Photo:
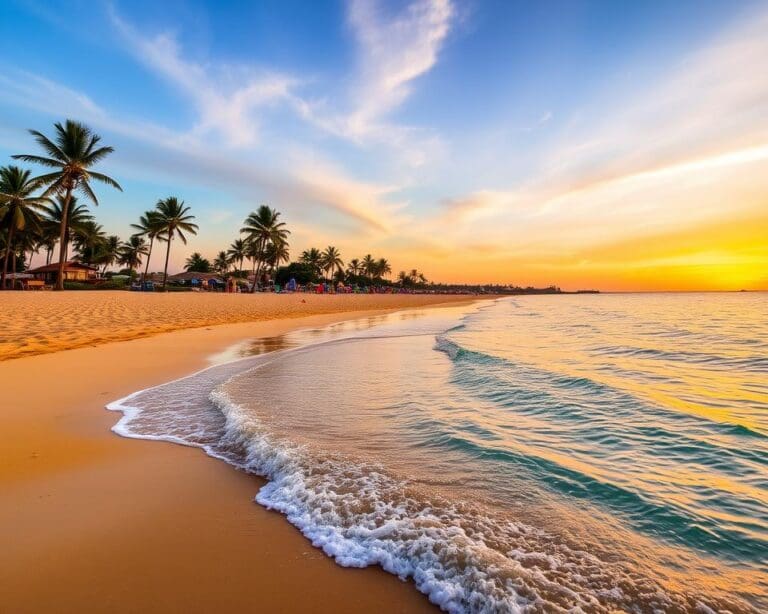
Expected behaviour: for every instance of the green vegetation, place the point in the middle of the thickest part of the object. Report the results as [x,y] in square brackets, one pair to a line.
[71,154]
[19,209]
[49,213]
[196,263]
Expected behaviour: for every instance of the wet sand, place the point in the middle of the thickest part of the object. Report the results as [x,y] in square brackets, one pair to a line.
[90,521]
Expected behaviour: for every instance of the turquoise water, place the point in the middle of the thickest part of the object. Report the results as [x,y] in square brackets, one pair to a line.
[602,452]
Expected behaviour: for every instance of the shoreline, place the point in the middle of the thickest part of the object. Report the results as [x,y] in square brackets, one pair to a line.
[89,517]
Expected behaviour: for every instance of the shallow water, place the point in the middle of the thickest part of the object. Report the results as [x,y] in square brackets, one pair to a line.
[602,452]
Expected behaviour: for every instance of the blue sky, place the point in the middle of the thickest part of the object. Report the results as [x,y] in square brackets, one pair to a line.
[475,140]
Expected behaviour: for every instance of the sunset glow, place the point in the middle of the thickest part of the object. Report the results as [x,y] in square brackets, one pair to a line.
[580,145]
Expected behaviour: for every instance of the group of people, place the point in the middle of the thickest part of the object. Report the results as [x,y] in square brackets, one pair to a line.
[235,285]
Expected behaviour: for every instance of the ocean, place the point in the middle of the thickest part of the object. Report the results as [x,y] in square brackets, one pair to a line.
[591,453]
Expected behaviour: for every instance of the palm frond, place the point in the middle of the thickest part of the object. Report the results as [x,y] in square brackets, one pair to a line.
[85,188]
[93,157]
[49,146]
[49,162]
[105,179]
[56,185]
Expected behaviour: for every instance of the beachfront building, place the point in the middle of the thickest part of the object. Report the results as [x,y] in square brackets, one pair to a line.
[197,279]
[73,271]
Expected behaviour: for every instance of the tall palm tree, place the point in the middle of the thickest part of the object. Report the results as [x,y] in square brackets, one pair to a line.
[237,252]
[331,261]
[221,263]
[175,221]
[260,227]
[72,152]
[18,208]
[149,226]
[131,252]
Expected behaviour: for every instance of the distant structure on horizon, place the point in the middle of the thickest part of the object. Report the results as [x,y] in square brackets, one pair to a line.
[502,289]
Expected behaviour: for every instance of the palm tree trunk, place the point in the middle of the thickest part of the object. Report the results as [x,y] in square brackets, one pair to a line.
[48,254]
[256,269]
[62,239]
[149,255]
[167,255]
[7,255]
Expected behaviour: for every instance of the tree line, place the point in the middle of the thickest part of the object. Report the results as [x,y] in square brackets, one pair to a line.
[49,210]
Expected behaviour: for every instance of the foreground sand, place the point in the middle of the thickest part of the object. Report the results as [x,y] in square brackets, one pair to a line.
[41,322]
[91,522]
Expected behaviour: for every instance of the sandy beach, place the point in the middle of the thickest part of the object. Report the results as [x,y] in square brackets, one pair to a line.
[42,322]
[90,521]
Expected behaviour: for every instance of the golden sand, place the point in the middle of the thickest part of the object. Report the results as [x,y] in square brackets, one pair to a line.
[92,522]
[41,322]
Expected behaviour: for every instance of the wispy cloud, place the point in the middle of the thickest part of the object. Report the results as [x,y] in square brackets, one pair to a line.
[152,151]
[393,52]
[226,97]
[685,147]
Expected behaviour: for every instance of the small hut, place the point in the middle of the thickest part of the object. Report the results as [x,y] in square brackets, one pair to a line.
[73,271]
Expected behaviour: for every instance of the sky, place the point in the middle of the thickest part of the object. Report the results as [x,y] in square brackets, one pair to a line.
[610,145]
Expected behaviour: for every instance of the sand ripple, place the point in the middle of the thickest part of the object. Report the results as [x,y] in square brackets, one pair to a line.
[41,322]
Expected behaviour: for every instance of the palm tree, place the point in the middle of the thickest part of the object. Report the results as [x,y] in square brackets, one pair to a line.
[196,263]
[403,279]
[72,153]
[255,253]
[238,251]
[49,235]
[314,258]
[354,267]
[18,208]
[108,252]
[27,241]
[383,268]
[276,253]
[260,227]
[221,263]
[149,226]
[175,220]
[369,266]
[89,239]
[131,252]
[331,261]
[78,218]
